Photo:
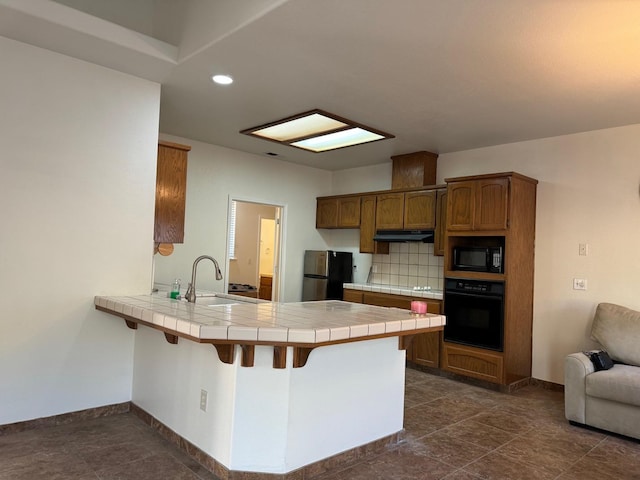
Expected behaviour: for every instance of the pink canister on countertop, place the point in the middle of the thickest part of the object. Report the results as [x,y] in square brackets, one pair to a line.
[418,307]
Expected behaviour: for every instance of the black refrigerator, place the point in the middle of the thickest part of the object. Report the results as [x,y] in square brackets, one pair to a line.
[324,273]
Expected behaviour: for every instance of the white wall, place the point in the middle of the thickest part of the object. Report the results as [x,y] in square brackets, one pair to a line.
[362,179]
[588,193]
[214,174]
[77,186]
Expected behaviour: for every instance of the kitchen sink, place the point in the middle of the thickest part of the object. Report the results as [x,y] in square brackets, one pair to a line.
[215,301]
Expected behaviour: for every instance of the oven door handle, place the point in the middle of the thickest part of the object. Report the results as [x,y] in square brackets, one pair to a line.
[474,295]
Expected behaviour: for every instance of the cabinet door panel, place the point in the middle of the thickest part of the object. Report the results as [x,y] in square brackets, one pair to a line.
[264,291]
[368,227]
[473,362]
[492,199]
[419,210]
[426,349]
[390,211]
[460,205]
[385,300]
[441,223]
[171,191]
[354,296]
[349,212]
[367,223]
[327,213]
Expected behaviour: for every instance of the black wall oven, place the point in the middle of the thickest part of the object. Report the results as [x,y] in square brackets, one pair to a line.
[475,312]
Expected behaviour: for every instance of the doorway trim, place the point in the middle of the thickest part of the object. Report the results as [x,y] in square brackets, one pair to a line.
[279,258]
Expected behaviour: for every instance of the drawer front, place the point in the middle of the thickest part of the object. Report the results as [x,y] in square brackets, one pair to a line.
[472,362]
[354,296]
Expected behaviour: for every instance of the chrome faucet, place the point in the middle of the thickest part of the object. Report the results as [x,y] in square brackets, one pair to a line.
[191,289]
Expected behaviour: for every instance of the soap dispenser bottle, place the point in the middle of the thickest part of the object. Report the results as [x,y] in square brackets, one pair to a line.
[175,289]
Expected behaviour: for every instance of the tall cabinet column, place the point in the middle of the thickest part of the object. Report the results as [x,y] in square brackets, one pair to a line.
[485,210]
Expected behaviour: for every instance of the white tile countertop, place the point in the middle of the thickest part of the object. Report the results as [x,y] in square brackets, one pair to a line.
[395,290]
[268,322]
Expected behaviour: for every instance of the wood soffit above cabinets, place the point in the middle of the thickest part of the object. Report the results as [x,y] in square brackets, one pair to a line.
[413,170]
[381,192]
[177,146]
[491,175]
[437,186]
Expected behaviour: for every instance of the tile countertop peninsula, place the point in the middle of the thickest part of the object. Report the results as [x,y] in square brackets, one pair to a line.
[280,418]
[395,290]
[227,320]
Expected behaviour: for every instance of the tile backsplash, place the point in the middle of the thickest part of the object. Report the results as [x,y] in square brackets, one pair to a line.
[408,265]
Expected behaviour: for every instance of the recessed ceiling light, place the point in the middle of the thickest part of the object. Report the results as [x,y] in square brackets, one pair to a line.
[317,131]
[222,79]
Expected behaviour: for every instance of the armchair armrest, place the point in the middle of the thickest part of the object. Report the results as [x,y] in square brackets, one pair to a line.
[576,368]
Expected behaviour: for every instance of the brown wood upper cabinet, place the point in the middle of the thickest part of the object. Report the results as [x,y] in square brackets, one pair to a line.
[390,211]
[408,211]
[420,210]
[368,227]
[171,191]
[338,212]
[441,222]
[480,204]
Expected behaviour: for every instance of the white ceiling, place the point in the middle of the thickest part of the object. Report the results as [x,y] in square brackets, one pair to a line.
[441,75]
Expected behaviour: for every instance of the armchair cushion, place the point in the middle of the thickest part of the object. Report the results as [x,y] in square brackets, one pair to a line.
[617,329]
[620,384]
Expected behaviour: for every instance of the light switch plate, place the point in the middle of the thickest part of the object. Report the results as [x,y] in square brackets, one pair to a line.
[203,400]
[579,283]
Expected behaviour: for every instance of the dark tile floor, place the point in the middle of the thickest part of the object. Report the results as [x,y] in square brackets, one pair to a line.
[117,447]
[454,431]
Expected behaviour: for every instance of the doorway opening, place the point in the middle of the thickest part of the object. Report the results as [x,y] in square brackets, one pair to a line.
[253,249]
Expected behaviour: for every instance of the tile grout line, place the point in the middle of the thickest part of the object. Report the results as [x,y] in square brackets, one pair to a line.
[602,440]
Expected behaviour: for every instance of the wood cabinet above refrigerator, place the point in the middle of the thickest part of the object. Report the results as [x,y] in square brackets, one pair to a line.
[338,212]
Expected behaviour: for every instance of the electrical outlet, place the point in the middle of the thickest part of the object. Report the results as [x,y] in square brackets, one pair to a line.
[583,249]
[203,400]
[579,283]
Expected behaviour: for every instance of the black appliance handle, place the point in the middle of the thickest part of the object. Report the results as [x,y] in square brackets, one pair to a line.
[474,294]
[320,277]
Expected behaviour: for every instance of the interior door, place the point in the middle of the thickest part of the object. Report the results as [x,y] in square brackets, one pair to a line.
[275,286]
[244,243]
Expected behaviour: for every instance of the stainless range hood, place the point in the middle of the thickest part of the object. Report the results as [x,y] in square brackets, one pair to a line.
[424,236]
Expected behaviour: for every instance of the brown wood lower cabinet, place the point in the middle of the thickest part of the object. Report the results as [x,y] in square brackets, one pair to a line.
[264,290]
[353,296]
[473,362]
[425,348]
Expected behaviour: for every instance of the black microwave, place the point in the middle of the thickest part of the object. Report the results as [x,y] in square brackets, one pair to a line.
[478,259]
